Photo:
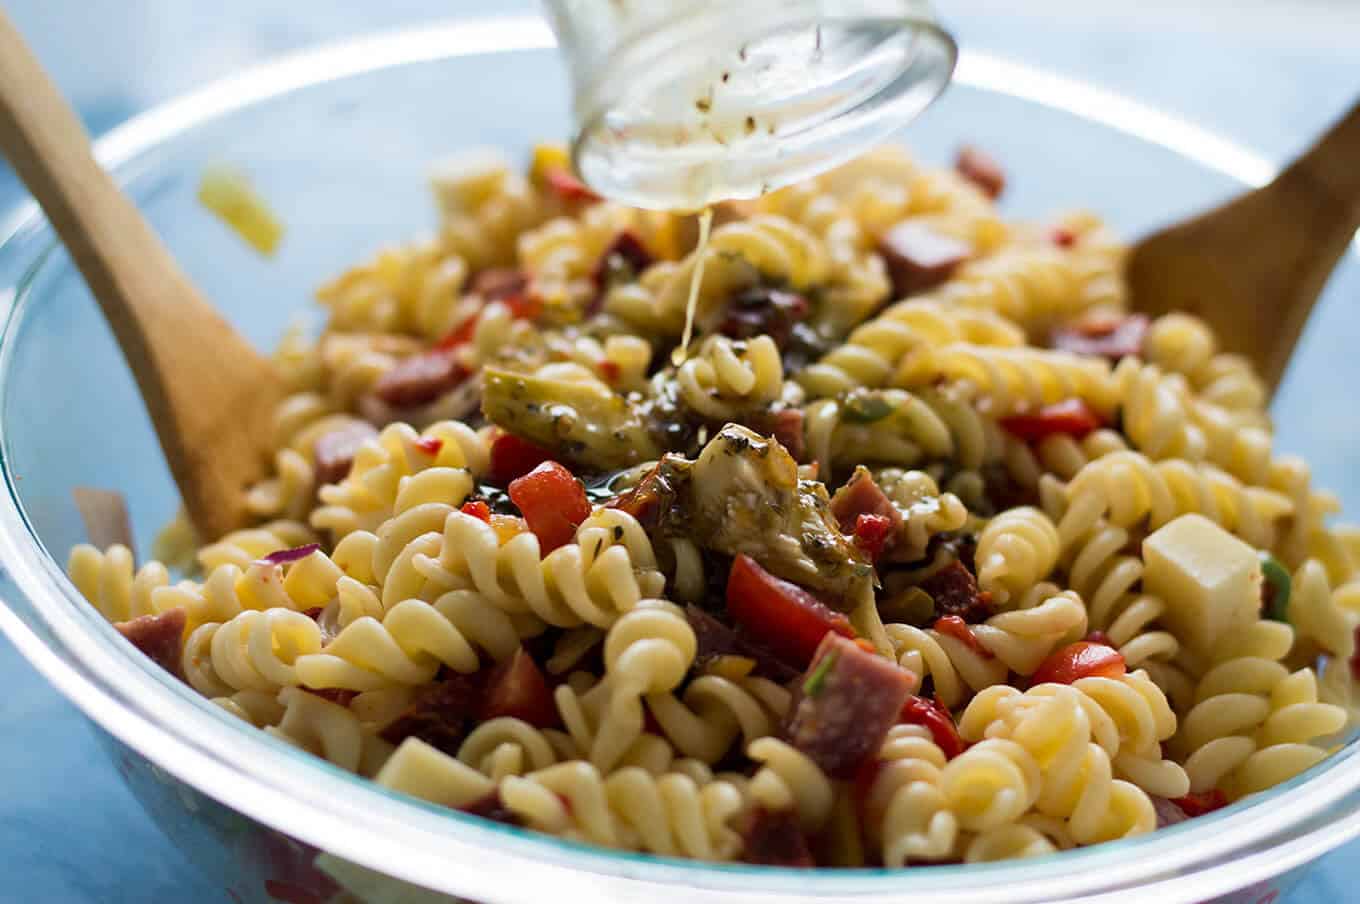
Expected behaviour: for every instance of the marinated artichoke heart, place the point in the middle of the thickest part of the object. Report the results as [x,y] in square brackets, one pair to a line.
[583,419]
[745,497]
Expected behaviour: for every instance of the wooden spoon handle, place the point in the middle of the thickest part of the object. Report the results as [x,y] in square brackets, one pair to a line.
[191,366]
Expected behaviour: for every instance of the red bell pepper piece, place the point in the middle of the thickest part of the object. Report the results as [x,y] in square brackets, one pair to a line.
[779,614]
[513,457]
[954,626]
[872,533]
[518,689]
[933,715]
[1203,802]
[567,187]
[1072,417]
[477,509]
[553,503]
[1082,659]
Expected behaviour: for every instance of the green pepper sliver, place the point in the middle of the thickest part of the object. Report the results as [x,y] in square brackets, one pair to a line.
[813,683]
[1279,584]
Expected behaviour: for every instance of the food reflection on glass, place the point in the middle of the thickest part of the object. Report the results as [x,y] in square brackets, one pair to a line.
[927,552]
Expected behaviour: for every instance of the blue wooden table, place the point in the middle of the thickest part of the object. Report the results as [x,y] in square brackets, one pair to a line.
[1270,76]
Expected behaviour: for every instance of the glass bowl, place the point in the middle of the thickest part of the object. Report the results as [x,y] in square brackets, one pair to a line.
[337,140]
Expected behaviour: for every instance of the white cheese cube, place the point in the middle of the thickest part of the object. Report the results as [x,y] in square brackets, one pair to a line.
[1209,580]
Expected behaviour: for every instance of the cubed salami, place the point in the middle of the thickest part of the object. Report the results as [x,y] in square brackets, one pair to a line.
[862,495]
[1105,337]
[334,451]
[160,637]
[419,379]
[775,839]
[497,283]
[846,702]
[981,169]
[919,257]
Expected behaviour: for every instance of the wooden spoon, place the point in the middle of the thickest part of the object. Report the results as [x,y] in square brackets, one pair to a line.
[1254,267]
[210,395]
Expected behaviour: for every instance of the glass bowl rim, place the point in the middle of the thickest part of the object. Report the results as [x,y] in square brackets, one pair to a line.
[304,796]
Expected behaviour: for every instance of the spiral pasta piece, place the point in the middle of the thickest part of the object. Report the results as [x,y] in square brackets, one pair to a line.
[107,580]
[726,378]
[1016,550]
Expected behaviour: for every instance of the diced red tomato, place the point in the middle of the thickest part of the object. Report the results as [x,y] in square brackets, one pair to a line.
[1201,803]
[430,445]
[517,688]
[1063,237]
[553,503]
[933,715]
[1082,659]
[779,614]
[567,187]
[477,509]
[955,627]
[513,457]
[872,533]
[1072,417]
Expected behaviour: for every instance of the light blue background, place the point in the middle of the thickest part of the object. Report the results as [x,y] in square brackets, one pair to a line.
[1269,74]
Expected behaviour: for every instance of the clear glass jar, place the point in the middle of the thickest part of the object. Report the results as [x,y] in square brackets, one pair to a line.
[681,103]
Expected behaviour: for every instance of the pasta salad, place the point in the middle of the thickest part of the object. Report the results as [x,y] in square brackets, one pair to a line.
[926,550]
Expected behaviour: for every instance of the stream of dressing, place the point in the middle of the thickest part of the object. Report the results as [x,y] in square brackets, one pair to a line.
[696,280]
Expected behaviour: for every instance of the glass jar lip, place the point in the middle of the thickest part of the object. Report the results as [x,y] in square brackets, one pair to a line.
[305,797]
[828,141]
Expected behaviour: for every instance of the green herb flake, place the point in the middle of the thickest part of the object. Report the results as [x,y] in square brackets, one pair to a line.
[812,685]
[1275,589]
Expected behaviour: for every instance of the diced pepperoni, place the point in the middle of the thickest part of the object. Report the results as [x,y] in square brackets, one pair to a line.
[439,714]
[490,806]
[160,637]
[763,311]
[919,258]
[653,498]
[499,283]
[862,495]
[775,839]
[1355,657]
[419,379]
[981,169]
[845,704]
[518,689]
[957,628]
[1063,237]
[1168,812]
[955,592]
[334,451]
[1112,337]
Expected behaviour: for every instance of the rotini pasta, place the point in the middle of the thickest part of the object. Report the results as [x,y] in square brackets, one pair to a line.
[899,561]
